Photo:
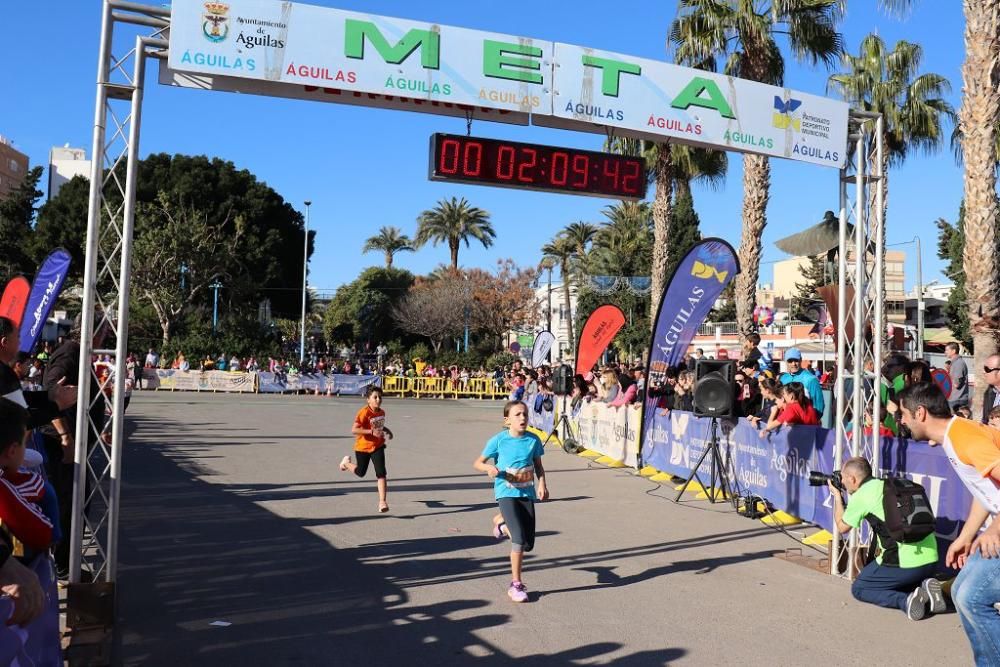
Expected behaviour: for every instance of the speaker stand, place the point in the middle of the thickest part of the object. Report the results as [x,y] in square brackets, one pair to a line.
[567,428]
[718,466]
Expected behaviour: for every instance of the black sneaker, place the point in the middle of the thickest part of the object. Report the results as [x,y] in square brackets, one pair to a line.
[932,587]
[916,604]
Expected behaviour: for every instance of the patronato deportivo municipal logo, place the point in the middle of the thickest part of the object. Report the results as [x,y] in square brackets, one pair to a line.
[216,24]
[782,118]
[706,266]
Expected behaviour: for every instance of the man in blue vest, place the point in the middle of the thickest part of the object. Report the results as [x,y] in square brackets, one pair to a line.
[795,373]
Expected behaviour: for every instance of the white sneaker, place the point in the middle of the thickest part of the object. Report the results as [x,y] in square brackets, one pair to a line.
[343,463]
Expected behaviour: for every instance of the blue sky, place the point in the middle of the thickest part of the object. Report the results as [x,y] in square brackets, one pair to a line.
[364,168]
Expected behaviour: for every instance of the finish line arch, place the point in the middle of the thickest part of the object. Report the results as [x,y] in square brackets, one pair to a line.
[855,139]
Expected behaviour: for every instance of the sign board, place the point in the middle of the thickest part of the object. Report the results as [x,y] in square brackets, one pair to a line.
[655,100]
[302,51]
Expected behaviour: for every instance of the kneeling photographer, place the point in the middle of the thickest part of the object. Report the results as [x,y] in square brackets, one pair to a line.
[901,575]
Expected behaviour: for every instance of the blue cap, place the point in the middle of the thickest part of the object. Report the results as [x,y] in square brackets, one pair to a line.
[793,353]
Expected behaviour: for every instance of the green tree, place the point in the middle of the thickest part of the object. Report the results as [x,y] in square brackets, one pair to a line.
[813,277]
[951,248]
[724,309]
[62,223]
[686,230]
[624,245]
[362,309]
[741,37]
[453,222]
[17,211]
[260,249]
[389,241]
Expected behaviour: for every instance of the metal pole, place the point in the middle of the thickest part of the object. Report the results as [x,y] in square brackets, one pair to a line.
[121,349]
[878,313]
[215,304]
[920,302]
[859,300]
[305,273]
[89,299]
[841,332]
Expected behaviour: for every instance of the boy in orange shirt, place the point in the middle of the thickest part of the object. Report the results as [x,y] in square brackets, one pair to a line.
[369,428]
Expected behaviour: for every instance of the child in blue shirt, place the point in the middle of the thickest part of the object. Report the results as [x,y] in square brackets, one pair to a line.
[517,462]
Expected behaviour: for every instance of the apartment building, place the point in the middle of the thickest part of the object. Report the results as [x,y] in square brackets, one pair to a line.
[13,166]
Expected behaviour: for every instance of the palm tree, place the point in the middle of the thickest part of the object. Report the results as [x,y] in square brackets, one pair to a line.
[581,235]
[625,240]
[685,165]
[912,107]
[389,240]
[977,119]
[742,35]
[561,251]
[452,222]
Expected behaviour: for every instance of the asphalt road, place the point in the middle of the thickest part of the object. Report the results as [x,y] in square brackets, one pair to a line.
[234,512]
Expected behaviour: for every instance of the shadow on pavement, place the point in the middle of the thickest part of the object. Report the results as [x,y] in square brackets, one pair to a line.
[193,553]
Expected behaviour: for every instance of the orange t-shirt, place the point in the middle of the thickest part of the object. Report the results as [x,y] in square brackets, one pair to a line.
[369,419]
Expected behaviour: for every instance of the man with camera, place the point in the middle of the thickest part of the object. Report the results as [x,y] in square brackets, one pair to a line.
[901,575]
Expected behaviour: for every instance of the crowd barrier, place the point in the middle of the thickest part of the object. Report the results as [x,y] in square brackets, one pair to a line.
[440,387]
[243,383]
[776,467]
[333,383]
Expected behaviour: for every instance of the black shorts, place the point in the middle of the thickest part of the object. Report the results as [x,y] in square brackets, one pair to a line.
[519,515]
[376,458]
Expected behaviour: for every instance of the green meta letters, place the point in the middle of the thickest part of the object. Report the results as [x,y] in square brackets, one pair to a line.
[691,96]
[428,41]
[499,61]
[611,72]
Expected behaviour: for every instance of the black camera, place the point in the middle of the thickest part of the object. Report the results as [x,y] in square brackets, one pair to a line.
[817,478]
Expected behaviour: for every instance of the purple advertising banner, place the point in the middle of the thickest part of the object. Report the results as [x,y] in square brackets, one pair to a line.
[42,299]
[777,467]
[689,296]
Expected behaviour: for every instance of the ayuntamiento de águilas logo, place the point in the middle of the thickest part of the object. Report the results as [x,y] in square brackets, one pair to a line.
[215,27]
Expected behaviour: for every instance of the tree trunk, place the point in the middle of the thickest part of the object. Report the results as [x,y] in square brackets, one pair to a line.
[977,119]
[566,300]
[453,246]
[661,226]
[388,260]
[756,192]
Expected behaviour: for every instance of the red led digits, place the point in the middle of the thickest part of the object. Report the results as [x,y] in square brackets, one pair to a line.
[560,168]
[633,170]
[449,156]
[581,170]
[530,157]
[612,169]
[506,154]
[472,159]
[533,166]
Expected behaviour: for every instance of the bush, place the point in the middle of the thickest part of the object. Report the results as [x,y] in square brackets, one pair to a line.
[420,350]
[501,359]
[469,360]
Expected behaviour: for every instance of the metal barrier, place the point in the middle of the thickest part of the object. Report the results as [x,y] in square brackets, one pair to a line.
[440,387]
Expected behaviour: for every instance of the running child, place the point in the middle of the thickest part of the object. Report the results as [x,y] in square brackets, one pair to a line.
[517,462]
[369,427]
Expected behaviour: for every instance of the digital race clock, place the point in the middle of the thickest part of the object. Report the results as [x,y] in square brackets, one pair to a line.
[518,165]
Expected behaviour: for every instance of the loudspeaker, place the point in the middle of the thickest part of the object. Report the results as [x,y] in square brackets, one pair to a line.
[562,380]
[714,388]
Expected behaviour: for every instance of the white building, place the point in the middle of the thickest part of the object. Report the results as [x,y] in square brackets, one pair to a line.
[64,164]
[561,317]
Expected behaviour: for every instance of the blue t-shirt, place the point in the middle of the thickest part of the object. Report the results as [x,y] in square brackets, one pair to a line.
[814,390]
[516,457]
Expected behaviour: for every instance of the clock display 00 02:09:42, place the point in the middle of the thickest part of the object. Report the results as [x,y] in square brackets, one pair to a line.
[533,166]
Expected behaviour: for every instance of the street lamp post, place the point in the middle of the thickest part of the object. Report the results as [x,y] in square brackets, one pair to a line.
[215,286]
[305,268]
[920,302]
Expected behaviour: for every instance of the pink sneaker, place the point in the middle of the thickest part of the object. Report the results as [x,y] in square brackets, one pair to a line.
[343,463]
[517,592]
[498,531]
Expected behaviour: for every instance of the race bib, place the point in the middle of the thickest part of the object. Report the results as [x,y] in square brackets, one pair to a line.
[520,478]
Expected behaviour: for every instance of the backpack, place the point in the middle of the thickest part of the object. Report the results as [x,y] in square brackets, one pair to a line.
[908,514]
[539,398]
